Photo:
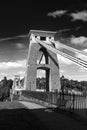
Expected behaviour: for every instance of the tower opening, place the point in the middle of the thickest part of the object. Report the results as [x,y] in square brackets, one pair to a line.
[41,80]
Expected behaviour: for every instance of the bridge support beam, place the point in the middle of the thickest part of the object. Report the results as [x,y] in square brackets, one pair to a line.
[51,67]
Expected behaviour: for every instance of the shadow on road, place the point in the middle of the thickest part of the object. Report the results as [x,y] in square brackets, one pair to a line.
[38,119]
[18,119]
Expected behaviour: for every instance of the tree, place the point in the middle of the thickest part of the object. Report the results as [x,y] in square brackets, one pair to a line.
[5,88]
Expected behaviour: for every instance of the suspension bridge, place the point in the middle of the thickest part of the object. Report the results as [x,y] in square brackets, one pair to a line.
[43,44]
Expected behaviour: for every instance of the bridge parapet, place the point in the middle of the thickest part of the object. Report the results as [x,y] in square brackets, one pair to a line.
[42,33]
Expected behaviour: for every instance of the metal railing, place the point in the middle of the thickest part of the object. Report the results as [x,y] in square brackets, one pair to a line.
[69,102]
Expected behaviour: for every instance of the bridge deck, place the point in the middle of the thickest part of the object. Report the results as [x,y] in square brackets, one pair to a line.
[28,115]
[54,120]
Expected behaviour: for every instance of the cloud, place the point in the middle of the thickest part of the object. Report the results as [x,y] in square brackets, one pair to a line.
[16,64]
[85,50]
[15,37]
[21,72]
[20,45]
[82,15]
[62,71]
[56,13]
[78,40]
[3,74]
[82,70]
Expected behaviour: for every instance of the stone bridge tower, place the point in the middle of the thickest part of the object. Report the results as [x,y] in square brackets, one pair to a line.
[51,65]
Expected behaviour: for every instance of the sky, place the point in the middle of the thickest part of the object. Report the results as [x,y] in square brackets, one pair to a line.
[67,18]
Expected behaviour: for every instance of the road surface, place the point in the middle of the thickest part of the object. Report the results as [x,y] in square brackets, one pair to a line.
[54,120]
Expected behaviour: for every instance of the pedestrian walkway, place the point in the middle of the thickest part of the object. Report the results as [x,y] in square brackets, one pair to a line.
[54,120]
[31,105]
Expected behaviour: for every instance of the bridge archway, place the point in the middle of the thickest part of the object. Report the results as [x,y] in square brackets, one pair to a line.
[46,76]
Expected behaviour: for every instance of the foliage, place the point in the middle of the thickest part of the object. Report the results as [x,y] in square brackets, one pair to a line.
[5,86]
[41,83]
[67,84]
